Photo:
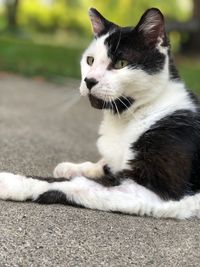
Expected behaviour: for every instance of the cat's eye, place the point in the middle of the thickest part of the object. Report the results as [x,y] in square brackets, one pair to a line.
[120,64]
[90,60]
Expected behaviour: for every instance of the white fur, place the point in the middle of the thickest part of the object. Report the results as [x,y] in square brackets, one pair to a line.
[129,197]
[20,188]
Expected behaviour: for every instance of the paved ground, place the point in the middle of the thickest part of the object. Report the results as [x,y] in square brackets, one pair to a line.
[42,124]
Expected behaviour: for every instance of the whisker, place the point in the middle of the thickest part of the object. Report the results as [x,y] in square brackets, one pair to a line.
[111,106]
[120,34]
[127,100]
[104,101]
[105,97]
[117,109]
[125,105]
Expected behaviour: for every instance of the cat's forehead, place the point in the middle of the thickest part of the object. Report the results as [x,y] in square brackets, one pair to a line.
[124,43]
[112,42]
[119,35]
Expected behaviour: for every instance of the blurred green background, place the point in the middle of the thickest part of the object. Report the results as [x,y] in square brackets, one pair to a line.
[45,38]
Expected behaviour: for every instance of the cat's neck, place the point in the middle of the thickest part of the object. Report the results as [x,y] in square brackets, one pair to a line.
[171,98]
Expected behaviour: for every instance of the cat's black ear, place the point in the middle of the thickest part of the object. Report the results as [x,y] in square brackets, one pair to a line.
[152,27]
[100,25]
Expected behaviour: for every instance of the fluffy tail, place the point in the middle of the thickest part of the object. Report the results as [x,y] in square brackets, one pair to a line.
[129,197]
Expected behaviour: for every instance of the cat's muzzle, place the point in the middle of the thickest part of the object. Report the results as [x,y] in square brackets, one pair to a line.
[96,102]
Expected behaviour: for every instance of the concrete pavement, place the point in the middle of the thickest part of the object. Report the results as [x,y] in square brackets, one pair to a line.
[42,124]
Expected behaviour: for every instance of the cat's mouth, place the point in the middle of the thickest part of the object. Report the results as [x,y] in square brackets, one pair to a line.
[96,102]
[117,106]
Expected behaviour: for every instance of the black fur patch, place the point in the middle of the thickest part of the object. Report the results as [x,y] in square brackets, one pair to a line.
[55,197]
[127,44]
[168,156]
[49,179]
[106,169]
[109,180]
[117,106]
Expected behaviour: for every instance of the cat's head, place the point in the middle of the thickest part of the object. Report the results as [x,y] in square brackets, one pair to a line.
[125,66]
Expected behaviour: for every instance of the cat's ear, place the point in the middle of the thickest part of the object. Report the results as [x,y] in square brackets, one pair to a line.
[100,25]
[152,27]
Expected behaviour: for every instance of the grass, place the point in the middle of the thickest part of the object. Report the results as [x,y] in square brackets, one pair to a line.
[54,62]
[31,59]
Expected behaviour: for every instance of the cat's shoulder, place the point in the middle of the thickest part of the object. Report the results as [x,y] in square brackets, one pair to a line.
[180,127]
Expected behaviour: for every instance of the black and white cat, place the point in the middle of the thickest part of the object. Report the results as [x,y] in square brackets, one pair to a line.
[149,136]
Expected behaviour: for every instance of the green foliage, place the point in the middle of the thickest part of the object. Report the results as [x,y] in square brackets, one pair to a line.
[189,70]
[31,59]
[49,15]
[127,12]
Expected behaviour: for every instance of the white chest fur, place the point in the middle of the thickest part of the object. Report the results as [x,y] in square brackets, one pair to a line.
[118,135]
[113,143]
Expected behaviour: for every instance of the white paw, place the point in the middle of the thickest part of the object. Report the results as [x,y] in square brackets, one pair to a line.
[10,185]
[67,170]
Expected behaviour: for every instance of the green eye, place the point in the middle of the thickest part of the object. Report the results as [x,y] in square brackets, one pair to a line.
[90,60]
[120,64]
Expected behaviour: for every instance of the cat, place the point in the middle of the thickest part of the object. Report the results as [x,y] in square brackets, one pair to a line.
[149,137]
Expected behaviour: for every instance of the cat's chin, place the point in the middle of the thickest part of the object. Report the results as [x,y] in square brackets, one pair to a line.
[117,106]
[96,102]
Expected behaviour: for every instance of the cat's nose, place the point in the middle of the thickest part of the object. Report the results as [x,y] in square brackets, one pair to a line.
[90,83]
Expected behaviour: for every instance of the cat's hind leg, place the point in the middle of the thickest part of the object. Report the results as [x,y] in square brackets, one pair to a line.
[78,191]
[127,197]
[88,169]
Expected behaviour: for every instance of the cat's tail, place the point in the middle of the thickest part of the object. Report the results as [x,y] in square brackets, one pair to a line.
[129,198]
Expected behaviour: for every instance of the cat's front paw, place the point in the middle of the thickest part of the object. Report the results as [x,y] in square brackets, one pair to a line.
[67,170]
